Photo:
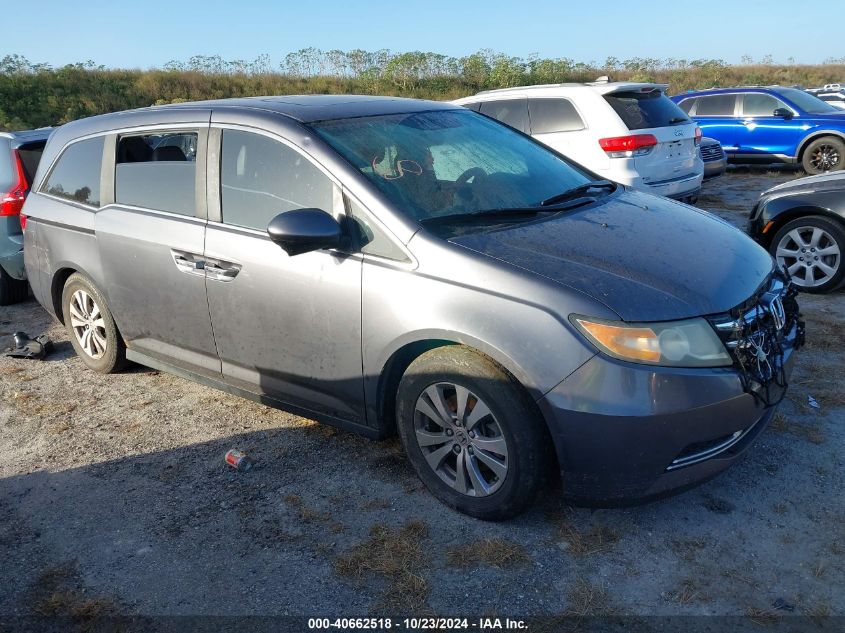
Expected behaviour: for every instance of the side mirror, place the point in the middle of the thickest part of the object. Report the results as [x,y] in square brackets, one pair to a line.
[784,113]
[304,230]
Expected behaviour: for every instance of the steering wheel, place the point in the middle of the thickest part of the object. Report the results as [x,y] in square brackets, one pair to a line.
[476,174]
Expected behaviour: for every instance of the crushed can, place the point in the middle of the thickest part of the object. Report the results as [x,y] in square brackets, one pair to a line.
[238,460]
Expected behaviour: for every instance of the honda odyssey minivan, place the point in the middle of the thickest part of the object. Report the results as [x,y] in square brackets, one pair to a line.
[392,265]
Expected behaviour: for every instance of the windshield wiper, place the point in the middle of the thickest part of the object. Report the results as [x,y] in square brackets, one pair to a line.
[579,191]
[503,213]
[678,119]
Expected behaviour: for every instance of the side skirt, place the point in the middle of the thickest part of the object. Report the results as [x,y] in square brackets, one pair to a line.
[154,363]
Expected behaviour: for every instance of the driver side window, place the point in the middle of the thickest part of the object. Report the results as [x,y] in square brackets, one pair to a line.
[261,177]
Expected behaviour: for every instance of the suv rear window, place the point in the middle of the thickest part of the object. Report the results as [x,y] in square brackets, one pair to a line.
[642,110]
[76,175]
[512,112]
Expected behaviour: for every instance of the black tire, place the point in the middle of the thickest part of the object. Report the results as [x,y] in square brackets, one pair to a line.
[12,290]
[824,154]
[113,357]
[514,418]
[805,225]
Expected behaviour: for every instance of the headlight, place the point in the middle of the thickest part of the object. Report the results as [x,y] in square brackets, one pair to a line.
[688,343]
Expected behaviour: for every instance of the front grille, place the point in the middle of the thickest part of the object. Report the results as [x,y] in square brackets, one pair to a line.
[711,152]
[755,333]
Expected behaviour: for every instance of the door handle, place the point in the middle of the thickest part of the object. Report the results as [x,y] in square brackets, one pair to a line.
[222,272]
[187,262]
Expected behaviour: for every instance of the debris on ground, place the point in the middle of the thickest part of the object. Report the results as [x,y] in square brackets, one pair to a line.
[813,402]
[783,605]
[25,347]
[238,460]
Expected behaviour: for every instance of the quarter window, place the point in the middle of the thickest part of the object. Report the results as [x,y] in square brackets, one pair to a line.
[371,238]
[261,178]
[76,175]
[758,104]
[512,112]
[157,171]
[686,105]
[553,115]
[715,105]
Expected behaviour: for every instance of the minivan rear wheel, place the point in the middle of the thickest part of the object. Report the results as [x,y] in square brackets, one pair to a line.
[471,433]
[91,327]
[12,290]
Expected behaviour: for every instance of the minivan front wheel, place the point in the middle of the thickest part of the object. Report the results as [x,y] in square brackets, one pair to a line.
[91,327]
[471,433]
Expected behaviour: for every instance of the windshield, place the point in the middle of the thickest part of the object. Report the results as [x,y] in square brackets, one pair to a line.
[449,162]
[807,102]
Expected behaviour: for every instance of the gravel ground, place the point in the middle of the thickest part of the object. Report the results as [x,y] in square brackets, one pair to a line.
[115,500]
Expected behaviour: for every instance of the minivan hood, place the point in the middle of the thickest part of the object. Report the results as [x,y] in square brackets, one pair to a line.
[646,258]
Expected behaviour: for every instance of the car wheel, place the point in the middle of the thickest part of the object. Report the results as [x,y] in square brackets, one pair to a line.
[12,290]
[810,248]
[471,433]
[91,327]
[824,154]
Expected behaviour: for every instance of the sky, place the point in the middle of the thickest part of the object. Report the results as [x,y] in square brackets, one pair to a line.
[132,34]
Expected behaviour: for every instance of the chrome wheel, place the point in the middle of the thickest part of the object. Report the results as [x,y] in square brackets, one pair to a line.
[810,254]
[825,157]
[88,324]
[461,439]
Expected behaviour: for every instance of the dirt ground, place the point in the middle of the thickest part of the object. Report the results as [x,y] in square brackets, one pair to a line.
[115,500]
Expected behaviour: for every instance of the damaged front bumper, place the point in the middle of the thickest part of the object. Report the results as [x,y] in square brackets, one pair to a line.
[626,433]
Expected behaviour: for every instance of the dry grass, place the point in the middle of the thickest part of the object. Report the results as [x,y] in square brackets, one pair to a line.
[819,569]
[61,598]
[781,424]
[597,539]
[375,504]
[824,331]
[395,554]
[686,593]
[9,370]
[780,508]
[494,552]
[763,617]
[586,599]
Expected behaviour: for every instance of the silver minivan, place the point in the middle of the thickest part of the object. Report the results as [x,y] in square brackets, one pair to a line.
[391,265]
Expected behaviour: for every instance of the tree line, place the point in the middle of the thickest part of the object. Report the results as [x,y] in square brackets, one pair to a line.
[37,94]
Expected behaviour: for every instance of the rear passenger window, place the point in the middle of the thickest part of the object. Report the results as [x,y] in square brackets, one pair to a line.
[473,106]
[553,115]
[157,171]
[261,177]
[757,104]
[512,112]
[76,175]
[716,105]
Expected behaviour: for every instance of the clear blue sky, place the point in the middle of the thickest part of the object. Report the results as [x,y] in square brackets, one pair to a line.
[132,33]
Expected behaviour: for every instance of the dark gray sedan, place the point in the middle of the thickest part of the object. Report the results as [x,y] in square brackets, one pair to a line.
[395,265]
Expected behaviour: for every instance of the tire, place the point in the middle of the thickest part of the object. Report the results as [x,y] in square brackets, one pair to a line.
[12,290]
[824,154]
[102,349]
[511,424]
[823,241]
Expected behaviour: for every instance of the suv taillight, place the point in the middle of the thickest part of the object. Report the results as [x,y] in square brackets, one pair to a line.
[11,201]
[628,146]
[697,135]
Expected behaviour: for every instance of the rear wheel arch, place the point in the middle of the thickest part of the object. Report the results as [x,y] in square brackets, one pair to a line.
[57,287]
[815,136]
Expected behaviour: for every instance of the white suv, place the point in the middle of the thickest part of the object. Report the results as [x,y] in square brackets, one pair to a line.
[631,133]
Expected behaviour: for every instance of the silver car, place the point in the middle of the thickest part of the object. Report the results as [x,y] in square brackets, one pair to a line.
[390,265]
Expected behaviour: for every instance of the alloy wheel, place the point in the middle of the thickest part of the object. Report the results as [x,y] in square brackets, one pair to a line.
[825,157]
[88,324]
[461,440]
[810,254]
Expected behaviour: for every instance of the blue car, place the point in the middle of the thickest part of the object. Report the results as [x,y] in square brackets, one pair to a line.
[770,124]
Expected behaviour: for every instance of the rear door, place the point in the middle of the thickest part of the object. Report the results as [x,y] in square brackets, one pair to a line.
[763,133]
[718,117]
[649,111]
[288,327]
[151,238]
